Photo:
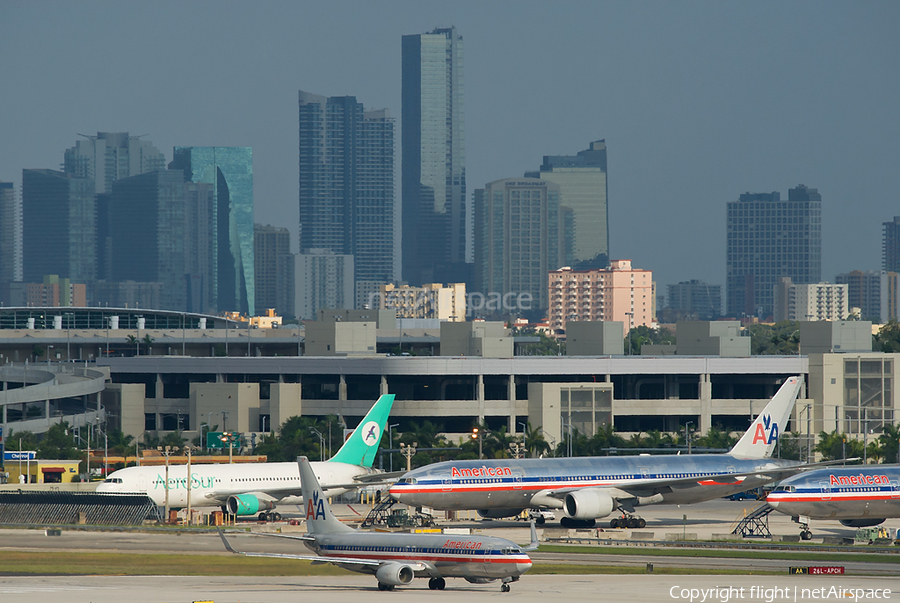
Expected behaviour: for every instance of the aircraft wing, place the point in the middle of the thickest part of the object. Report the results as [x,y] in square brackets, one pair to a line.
[386,476]
[416,565]
[643,488]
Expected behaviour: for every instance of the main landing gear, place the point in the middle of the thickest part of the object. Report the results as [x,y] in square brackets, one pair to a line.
[437,583]
[627,521]
[383,586]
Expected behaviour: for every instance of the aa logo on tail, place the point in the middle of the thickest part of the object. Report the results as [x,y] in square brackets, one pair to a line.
[315,508]
[766,432]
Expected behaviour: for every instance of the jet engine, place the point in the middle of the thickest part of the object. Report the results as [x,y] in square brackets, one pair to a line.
[394,574]
[588,504]
[248,504]
[498,513]
[861,523]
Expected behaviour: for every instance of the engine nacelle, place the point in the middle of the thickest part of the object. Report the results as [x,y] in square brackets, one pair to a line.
[588,504]
[498,513]
[395,574]
[247,504]
[861,523]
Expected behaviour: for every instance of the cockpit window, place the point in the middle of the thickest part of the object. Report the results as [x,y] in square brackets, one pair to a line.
[113,480]
[407,480]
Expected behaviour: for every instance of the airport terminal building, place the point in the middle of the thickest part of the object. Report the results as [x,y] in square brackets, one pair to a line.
[181,379]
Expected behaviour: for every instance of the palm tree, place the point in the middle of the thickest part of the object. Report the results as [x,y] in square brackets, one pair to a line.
[534,441]
[890,442]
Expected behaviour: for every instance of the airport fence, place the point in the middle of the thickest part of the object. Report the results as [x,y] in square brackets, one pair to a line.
[84,508]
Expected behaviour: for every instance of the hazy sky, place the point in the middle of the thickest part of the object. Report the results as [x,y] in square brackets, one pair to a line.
[698,101]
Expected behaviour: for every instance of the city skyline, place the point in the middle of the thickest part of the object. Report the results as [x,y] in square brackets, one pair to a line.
[694,109]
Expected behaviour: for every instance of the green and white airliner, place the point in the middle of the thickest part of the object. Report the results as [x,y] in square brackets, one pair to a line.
[251,488]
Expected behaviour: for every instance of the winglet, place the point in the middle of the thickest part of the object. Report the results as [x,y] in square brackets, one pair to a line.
[319,518]
[759,441]
[534,539]
[361,446]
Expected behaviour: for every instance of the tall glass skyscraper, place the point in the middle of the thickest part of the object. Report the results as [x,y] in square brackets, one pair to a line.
[583,189]
[767,239]
[230,171]
[437,228]
[58,226]
[10,234]
[347,185]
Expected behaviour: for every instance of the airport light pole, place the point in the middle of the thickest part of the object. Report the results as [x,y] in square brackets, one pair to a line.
[391,442]
[321,442]
[409,452]
[187,450]
[167,450]
[687,434]
[630,316]
[229,437]
[68,333]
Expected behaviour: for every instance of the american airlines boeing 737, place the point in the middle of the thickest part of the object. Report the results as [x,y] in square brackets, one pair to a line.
[590,488]
[251,488]
[395,559]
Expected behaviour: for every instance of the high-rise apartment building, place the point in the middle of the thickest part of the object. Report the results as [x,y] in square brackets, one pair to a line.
[323,280]
[269,242]
[817,301]
[10,235]
[110,156]
[697,299]
[437,228]
[229,170]
[582,187]
[767,239]
[874,292]
[58,226]
[433,300]
[347,185]
[523,232]
[620,293]
[890,246]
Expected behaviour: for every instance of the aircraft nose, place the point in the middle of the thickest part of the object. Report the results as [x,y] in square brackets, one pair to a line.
[523,566]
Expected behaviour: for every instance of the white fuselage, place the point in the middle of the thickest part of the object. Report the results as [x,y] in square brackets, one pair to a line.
[211,485]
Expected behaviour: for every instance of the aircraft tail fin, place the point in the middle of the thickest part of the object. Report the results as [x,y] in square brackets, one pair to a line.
[319,518]
[759,441]
[361,446]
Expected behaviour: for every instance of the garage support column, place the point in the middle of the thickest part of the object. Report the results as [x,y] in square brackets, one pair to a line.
[705,404]
[511,396]
[479,394]
[384,385]
[159,388]
[342,388]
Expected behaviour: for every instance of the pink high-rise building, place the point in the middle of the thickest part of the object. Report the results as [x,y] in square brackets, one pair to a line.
[619,293]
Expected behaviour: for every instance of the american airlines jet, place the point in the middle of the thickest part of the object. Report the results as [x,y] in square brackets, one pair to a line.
[858,497]
[395,559]
[251,488]
[590,488]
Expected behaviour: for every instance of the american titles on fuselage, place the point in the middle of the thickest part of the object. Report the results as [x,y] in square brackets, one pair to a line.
[482,471]
[858,480]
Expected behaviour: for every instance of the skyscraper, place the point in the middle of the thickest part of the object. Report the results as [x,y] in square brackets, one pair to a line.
[347,185]
[269,242]
[437,228]
[230,171]
[523,233]
[767,239]
[890,246]
[109,156]
[583,189]
[58,226]
[874,292]
[10,235]
[148,233]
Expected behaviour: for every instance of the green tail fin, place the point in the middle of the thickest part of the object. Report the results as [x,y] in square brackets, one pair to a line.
[361,446]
